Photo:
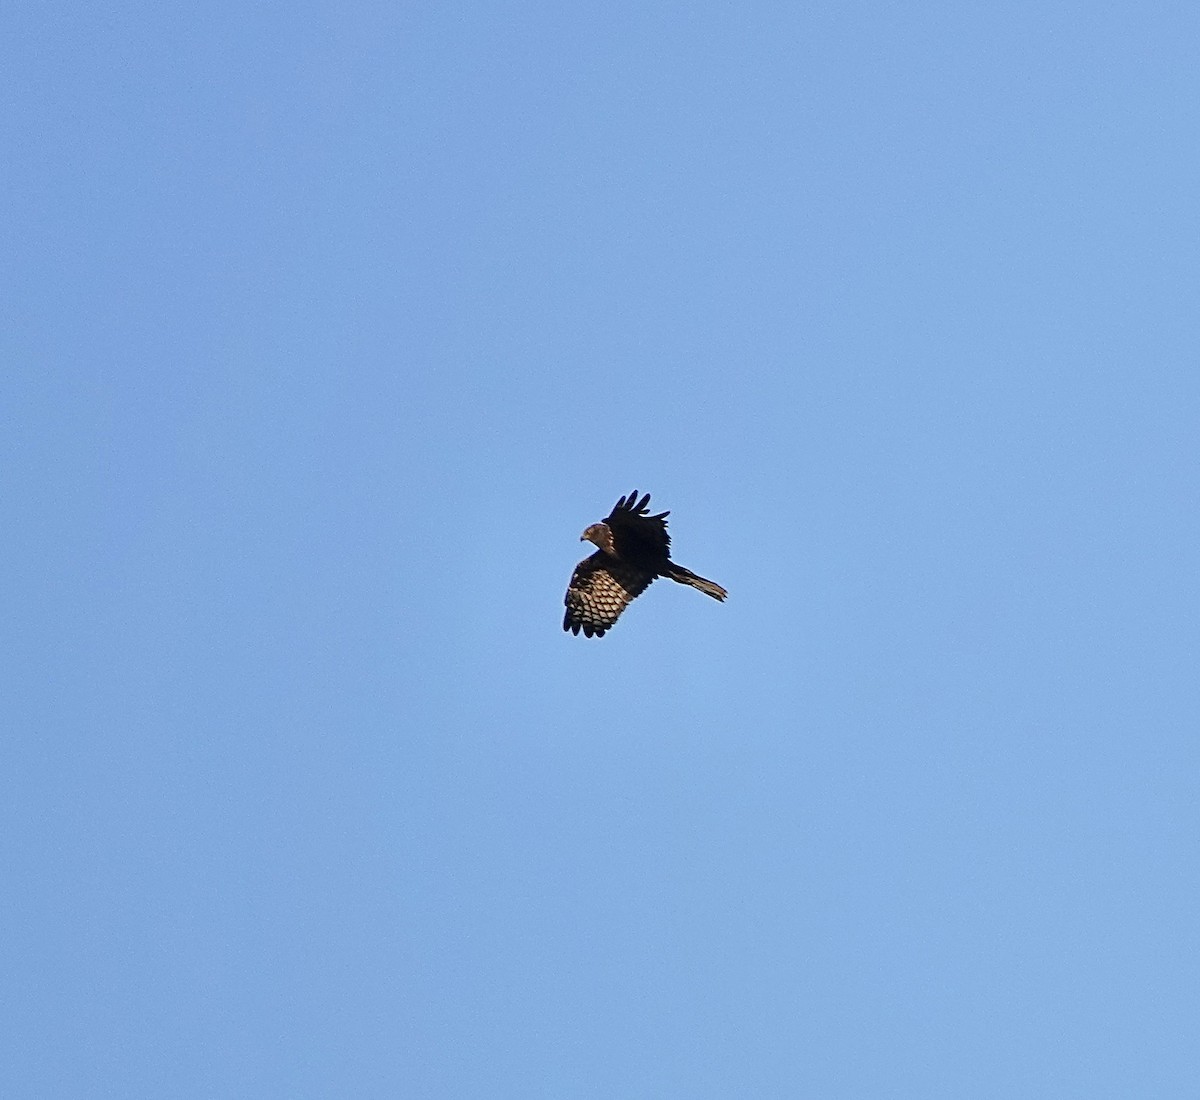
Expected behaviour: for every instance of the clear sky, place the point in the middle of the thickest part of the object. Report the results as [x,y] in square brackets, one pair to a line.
[328,328]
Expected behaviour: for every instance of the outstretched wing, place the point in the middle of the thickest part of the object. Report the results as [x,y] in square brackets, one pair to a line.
[601,588]
[631,523]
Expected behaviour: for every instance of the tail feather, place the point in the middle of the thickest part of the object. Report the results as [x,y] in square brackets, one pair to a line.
[686,576]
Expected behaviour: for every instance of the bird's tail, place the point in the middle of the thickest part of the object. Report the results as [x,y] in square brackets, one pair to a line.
[686,576]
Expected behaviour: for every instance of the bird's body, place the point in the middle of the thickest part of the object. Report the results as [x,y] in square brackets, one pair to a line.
[634,549]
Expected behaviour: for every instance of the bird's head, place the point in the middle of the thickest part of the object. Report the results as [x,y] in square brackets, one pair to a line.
[601,535]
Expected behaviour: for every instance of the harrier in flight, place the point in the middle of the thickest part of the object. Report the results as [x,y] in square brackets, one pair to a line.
[634,549]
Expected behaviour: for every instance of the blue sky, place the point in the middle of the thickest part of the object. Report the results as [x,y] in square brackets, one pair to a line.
[327,330]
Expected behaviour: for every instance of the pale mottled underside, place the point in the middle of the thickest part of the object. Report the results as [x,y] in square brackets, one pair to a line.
[601,588]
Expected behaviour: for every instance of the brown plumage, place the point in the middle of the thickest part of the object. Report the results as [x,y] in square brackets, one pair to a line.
[634,548]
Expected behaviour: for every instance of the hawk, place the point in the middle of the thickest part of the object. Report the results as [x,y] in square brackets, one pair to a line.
[634,548]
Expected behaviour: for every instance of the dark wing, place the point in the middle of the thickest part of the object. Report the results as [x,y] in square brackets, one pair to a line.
[601,588]
[643,533]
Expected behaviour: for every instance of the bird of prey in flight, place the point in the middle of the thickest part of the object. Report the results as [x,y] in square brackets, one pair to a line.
[634,549]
